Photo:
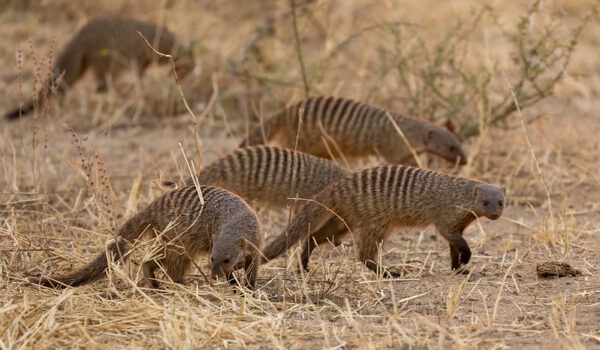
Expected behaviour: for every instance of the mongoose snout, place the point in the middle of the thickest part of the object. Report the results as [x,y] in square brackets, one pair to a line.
[444,144]
[225,259]
[489,201]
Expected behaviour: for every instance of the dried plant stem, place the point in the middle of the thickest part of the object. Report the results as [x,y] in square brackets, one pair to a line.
[399,131]
[299,50]
[187,106]
[533,156]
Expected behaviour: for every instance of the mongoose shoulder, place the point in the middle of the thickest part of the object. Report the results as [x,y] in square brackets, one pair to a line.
[108,45]
[374,201]
[271,175]
[225,226]
[356,129]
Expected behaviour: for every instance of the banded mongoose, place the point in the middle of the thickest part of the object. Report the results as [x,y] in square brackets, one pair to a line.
[108,45]
[374,201]
[356,129]
[271,175]
[226,226]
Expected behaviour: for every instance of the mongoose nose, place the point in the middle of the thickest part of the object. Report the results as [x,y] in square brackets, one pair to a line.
[494,216]
[463,160]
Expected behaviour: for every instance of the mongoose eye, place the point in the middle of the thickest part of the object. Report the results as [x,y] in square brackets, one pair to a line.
[226,261]
[500,203]
[485,203]
[452,148]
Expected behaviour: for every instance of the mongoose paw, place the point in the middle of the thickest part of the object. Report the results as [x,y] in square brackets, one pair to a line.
[391,274]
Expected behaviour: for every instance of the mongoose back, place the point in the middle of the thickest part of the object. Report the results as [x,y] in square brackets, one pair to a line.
[227,227]
[356,129]
[108,45]
[373,201]
[271,175]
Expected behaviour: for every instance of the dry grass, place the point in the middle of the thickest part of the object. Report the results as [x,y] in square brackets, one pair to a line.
[70,175]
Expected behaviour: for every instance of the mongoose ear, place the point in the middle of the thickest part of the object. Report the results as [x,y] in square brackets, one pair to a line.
[450,126]
[241,242]
[476,190]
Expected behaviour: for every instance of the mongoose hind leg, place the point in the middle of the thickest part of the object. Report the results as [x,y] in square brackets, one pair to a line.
[331,232]
[369,240]
[251,263]
[176,265]
[148,270]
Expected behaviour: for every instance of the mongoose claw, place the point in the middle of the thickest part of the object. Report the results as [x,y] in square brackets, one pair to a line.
[461,270]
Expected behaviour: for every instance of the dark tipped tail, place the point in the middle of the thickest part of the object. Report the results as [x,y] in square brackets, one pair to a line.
[128,233]
[18,112]
[89,273]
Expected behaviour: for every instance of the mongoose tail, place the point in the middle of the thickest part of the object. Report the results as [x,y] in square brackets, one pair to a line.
[298,229]
[96,269]
[374,201]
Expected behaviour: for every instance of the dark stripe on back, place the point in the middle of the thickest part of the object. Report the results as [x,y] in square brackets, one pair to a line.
[329,118]
[345,116]
[324,110]
[259,166]
[399,187]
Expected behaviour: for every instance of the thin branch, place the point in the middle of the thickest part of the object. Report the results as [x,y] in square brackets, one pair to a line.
[299,50]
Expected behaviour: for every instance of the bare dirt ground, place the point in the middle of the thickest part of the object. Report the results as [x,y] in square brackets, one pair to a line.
[69,176]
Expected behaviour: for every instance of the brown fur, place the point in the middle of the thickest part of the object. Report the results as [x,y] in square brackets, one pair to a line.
[357,129]
[374,201]
[109,45]
[271,175]
[227,227]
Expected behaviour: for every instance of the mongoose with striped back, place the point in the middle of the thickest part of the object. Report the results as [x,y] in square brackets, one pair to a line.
[109,45]
[271,175]
[374,201]
[335,124]
[225,226]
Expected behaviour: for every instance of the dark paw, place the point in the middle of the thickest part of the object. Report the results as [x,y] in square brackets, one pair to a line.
[391,274]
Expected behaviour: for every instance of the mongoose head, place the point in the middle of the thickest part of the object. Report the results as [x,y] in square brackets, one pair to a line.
[225,256]
[489,200]
[444,144]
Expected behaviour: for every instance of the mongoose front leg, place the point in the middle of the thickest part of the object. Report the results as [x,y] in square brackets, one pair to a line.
[460,253]
[251,269]
[232,280]
[330,232]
